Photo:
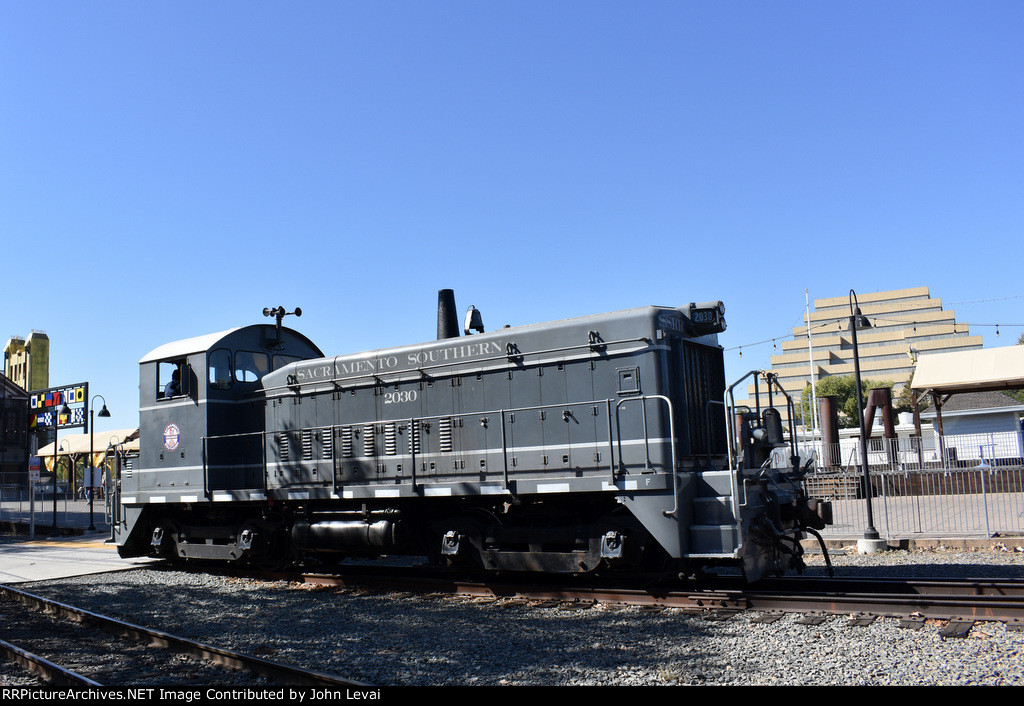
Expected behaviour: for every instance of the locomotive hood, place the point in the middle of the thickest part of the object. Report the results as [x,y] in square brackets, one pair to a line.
[557,339]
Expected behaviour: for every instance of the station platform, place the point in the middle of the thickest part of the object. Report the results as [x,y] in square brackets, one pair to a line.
[61,556]
[36,548]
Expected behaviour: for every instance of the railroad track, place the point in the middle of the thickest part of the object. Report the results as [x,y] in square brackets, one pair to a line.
[65,645]
[959,602]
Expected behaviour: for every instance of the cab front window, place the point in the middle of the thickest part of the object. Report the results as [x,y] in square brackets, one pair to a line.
[250,367]
[220,369]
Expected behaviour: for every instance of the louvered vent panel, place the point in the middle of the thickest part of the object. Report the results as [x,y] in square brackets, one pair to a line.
[307,444]
[368,441]
[347,450]
[414,438]
[390,439]
[327,452]
[444,434]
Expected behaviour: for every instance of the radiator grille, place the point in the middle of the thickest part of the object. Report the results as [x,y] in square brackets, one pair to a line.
[700,377]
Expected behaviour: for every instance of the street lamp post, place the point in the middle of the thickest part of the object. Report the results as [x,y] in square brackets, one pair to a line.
[92,471]
[859,321]
[56,432]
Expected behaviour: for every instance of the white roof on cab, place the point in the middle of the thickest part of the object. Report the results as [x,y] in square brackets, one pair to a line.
[187,346]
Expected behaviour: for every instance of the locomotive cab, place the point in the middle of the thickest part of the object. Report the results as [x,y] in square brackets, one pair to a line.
[193,394]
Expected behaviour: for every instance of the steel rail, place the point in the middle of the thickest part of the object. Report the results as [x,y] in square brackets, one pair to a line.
[981,599]
[912,585]
[44,668]
[279,671]
[978,607]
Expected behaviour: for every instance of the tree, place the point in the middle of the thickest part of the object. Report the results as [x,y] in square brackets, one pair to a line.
[844,388]
[904,400]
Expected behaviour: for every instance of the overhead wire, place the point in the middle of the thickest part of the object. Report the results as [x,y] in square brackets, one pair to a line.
[874,317]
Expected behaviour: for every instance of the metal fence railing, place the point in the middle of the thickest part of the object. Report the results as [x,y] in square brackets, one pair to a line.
[39,513]
[17,505]
[955,486]
[960,450]
[948,502]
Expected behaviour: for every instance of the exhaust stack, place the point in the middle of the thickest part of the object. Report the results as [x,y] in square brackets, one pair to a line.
[447,319]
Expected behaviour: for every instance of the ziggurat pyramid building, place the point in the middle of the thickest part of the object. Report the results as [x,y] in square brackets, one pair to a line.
[905,324]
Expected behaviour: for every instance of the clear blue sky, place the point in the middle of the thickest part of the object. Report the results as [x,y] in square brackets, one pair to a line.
[170,169]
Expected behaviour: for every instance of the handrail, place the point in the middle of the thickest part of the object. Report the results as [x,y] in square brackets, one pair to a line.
[647,451]
[707,421]
[735,463]
[730,404]
[615,438]
[771,380]
[108,507]
[504,452]
[206,473]
[207,491]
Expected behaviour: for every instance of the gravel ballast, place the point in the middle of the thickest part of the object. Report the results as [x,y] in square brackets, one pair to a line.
[397,640]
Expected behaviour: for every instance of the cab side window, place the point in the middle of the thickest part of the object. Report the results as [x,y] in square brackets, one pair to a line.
[219,365]
[171,378]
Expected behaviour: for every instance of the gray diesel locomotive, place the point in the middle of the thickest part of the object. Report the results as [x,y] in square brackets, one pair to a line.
[602,443]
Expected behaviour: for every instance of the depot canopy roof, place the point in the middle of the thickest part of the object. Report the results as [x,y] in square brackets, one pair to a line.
[971,371]
[78,444]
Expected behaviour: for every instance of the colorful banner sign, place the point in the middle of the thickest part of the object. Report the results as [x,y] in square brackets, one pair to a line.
[44,407]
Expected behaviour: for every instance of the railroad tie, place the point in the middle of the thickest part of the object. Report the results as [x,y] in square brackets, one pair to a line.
[956,627]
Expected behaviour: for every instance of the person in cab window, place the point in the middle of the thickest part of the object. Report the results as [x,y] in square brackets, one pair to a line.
[173,388]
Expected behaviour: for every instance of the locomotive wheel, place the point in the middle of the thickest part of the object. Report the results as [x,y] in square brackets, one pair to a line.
[273,550]
[471,526]
[170,546]
[278,556]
